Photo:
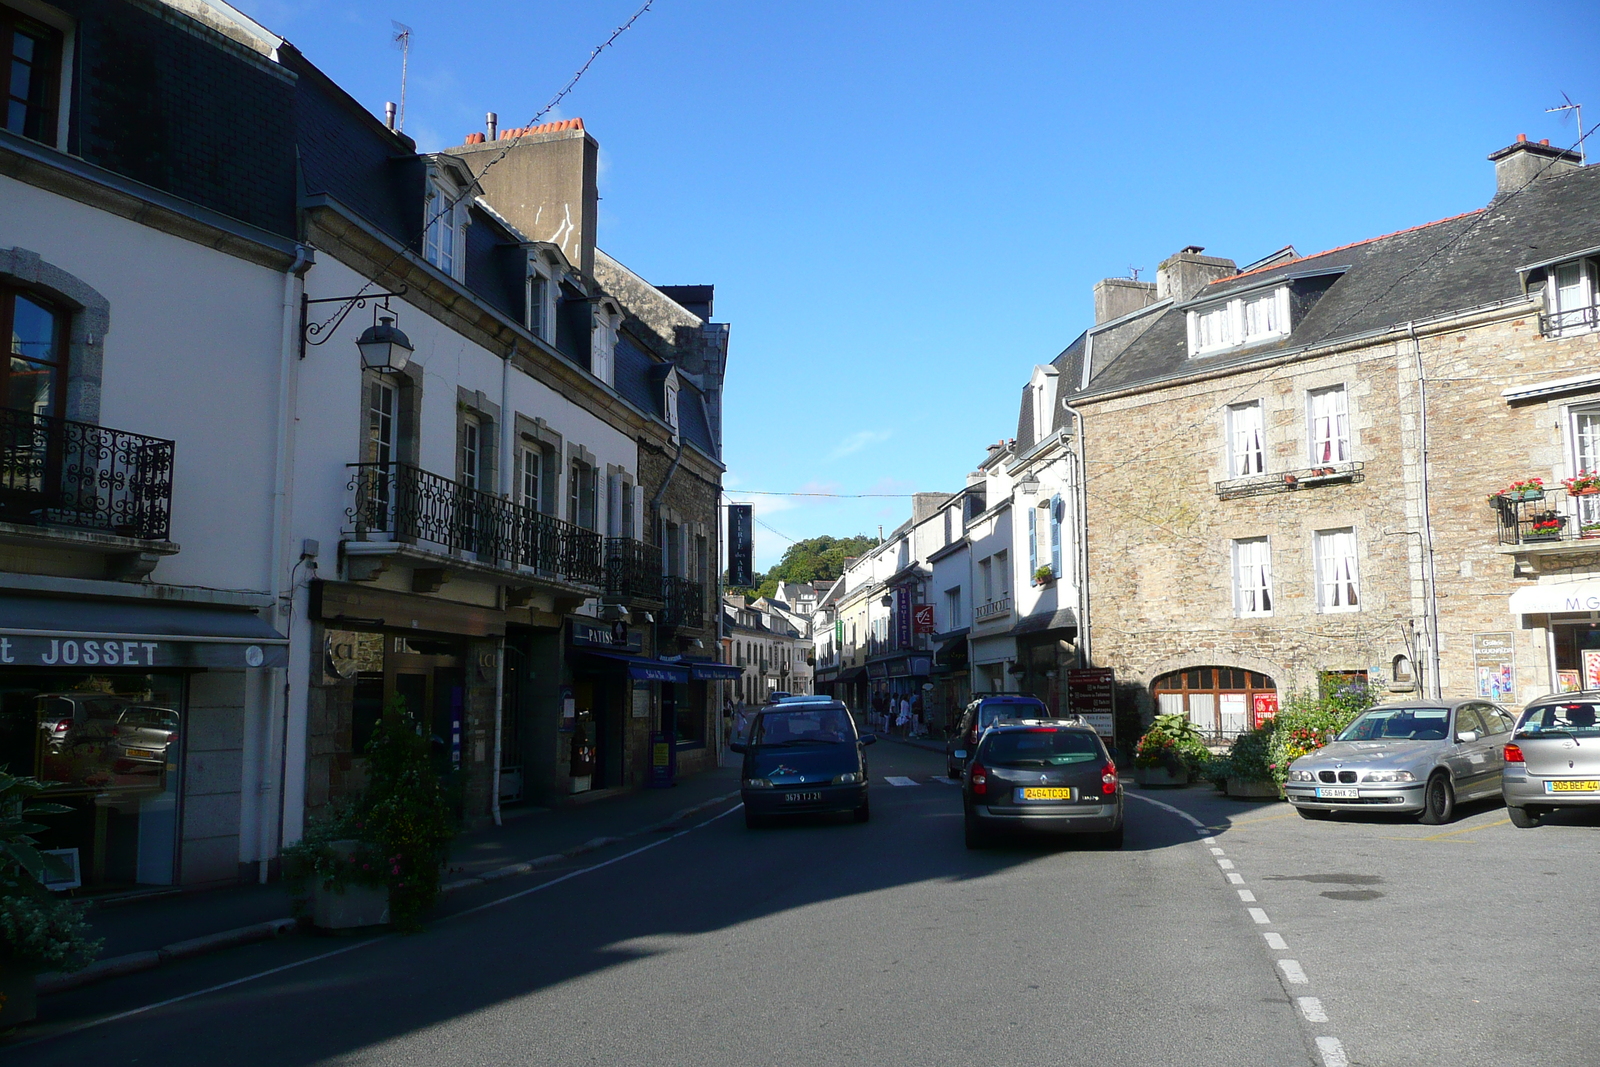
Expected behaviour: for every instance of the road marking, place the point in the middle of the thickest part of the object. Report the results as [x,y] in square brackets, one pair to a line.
[1311,1008]
[1332,1052]
[1247,896]
[1259,916]
[947,781]
[1226,865]
[1291,970]
[1235,878]
[1276,942]
[1264,818]
[1218,852]
[898,780]
[1199,826]
[119,1016]
[1452,833]
[1208,840]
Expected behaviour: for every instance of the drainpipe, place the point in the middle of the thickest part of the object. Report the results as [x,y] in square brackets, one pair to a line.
[507,448]
[1080,506]
[1427,516]
[282,596]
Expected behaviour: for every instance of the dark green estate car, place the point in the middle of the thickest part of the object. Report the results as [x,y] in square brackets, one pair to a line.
[803,758]
[1042,775]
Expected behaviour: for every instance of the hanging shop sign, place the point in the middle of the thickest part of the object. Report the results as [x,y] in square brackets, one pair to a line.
[741,545]
[922,619]
[613,637]
[902,616]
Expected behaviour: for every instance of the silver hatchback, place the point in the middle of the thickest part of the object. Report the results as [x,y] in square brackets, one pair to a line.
[1553,759]
[1418,756]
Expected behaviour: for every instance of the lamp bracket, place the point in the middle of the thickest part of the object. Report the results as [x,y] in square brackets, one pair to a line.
[316,333]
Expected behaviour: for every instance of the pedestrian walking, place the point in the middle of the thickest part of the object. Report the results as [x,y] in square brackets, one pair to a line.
[904,720]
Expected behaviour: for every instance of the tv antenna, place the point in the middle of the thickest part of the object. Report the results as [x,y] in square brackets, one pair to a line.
[402,41]
[1133,272]
[1577,109]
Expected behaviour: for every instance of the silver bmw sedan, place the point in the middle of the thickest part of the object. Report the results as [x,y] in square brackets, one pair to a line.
[1416,756]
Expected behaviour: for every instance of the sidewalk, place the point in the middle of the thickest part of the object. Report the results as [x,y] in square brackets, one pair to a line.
[144,932]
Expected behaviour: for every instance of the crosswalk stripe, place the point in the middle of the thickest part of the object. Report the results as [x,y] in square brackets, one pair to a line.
[897,780]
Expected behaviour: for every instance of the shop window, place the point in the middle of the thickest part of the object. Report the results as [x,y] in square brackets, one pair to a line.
[30,70]
[111,743]
[1222,702]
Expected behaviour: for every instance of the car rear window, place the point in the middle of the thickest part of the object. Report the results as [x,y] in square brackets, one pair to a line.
[1043,745]
[995,710]
[1577,719]
[1399,724]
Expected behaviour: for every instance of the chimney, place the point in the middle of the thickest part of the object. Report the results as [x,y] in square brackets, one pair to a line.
[1523,161]
[491,124]
[1184,274]
[926,505]
[1116,297]
[388,113]
[545,186]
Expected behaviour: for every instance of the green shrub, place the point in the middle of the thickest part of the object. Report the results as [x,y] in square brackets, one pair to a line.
[38,931]
[1307,720]
[1250,757]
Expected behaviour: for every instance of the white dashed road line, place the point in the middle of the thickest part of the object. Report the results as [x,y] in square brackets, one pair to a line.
[1235,878]
[1332,1052]
[1259,916]
[1276,942]
[1293,972]
[1311,1008]
[1226,865]
[1247,896]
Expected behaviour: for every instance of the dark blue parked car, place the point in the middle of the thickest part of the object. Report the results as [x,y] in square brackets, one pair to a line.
[802,758]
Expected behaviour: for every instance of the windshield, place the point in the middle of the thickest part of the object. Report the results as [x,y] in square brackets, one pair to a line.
[1399,724]
[804,726]
[995,710]
[1576,719]
[1042,746]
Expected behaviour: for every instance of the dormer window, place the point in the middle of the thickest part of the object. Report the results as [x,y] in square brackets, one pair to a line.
[1244,320]
[31,63]
[444,240]
[670,403]
[603,340]
[540,312]
[1572,298]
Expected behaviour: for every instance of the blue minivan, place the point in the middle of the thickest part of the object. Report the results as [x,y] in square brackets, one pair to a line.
[981,714]
[803,758]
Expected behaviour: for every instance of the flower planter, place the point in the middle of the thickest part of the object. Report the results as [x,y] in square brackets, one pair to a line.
[18,1002]
[349,907]
[1249,788]
[1148,776]
[1525,494]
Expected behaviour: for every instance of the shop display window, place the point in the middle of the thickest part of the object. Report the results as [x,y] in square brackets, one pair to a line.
[110,743]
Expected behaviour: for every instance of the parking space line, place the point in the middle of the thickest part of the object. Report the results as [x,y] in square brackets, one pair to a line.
[1453,833]
[1264,818]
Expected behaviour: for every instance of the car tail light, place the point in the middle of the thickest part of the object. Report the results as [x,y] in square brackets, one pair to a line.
[61,727]
[974,737]
[1108,779]
[1514,754]
[980,779]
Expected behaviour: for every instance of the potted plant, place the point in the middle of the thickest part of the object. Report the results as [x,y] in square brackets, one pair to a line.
[1545,526]
[378,860]
[1590,529]
[38,930]
[1044,575]
[1250,769]
[1521,489]
[1171,752]
[1584,483]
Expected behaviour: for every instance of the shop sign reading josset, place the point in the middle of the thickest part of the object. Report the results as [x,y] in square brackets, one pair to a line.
[108,651]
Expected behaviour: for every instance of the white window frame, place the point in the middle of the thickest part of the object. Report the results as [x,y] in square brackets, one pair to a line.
[540,314]
[1252,577]
[1247,453]
[1328,425]
[670,404]
[1338,570]
[1572,309]
[1227,324]
[471,451]
[443,239]
[530,476]
[603,342]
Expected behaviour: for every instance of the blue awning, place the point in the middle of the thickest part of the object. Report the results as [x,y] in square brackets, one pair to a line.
[643,669]
[705,670]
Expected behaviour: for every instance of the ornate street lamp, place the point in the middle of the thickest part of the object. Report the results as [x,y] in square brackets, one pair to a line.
[382,345]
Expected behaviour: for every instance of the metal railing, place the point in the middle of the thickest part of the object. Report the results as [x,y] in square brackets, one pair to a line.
[1576,320]
[685,602]
[633,569]
[992,609]
[64,473]
[1547,515]
[411,505]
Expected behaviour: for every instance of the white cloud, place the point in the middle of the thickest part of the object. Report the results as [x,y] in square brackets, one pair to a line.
[857,441]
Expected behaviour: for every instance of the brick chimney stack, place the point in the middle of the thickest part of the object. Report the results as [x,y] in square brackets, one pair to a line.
[1185,273]
[1523,161]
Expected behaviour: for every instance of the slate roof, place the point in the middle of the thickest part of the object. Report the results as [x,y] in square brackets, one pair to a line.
[1431,270]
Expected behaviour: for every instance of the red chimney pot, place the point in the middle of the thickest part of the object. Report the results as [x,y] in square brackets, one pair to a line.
[1521,137]
[1545,141]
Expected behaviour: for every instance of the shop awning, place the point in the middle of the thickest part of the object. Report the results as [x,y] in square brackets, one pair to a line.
[1055,622]
[643,669]
[51,632]
[850,674]
[705,670]
[1556,599]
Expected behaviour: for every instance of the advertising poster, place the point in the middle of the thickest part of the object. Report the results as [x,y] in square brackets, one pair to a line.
[1569,681]
[1591,668]
[1494,657]
[1265,709]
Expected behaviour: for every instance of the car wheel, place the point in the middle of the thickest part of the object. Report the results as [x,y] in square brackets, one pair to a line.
[1313,813]
[864,812]
[1526,818]
[1438,802]
[977,837]
[752,821]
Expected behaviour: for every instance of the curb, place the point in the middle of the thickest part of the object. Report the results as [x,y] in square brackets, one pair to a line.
[592,845]
[133,962]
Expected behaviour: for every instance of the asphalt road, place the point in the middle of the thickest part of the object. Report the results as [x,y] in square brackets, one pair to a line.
[833,943]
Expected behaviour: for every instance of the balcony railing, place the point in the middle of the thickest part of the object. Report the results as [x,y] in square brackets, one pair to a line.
[633,569]
[992,609]
[1576,320]
[1551,516]
[413,506]
[64,473]
[685,602]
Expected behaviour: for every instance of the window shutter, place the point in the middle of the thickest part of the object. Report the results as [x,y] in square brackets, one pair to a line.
[1033,541]
[614,506]
[1055,535]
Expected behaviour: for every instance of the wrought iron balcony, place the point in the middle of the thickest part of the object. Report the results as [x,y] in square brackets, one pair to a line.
[1547,516]
[992,609]
[58,472]
[1575,320]
[685,602]
[409,504]
[633,570]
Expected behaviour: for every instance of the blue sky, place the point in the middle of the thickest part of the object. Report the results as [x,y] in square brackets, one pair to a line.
[904,206]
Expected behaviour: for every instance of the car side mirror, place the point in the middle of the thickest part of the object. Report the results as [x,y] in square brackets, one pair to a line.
[1467,735]
[735,746]
[867,739]
[960,753]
